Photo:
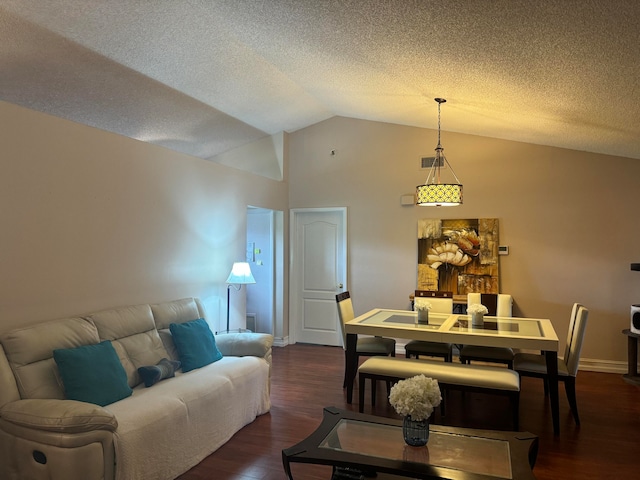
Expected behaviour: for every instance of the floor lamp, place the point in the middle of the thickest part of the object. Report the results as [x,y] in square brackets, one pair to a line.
[240,275]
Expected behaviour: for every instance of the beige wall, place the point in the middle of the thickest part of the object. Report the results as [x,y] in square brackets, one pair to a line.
[570,219]
[94,220]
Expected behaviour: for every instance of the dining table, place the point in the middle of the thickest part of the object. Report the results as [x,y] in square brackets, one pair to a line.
[514,332]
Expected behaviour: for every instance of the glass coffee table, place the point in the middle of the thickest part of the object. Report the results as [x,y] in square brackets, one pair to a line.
[363,446]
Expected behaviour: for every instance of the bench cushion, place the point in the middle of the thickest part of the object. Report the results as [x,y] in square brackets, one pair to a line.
[495,378]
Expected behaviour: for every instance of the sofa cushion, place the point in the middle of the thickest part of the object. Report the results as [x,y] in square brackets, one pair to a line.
[8,387]
[134,336]
[92,373]
[176,311]
[30,353]
[165,430]
[152,374]
[195,344]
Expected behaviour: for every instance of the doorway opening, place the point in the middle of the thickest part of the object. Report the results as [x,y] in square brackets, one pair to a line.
[265,254]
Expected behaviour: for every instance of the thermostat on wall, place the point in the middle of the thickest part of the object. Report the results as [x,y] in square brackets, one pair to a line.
[503,250]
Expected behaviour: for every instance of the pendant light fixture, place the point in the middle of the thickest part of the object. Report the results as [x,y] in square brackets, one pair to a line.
[434,193]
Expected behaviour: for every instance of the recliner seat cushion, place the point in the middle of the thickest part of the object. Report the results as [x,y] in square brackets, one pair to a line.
[188,416]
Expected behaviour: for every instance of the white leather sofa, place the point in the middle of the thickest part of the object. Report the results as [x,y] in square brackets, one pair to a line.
[156,433]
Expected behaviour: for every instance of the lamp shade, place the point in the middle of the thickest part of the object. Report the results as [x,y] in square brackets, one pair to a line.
[439,194]
[240,274]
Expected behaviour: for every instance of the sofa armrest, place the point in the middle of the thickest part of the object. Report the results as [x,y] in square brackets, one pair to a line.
[8,387]
[245,344]
[61,416]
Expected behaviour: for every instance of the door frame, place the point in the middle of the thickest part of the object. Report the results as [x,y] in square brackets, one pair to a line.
[294,293]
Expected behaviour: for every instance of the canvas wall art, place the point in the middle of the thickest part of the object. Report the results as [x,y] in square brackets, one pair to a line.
[458,255]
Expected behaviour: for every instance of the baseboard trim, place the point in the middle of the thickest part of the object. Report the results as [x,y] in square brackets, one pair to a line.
[586,364]
[280,341]
[603,366]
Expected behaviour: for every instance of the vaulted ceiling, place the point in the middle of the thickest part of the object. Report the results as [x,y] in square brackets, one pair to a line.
[204,77]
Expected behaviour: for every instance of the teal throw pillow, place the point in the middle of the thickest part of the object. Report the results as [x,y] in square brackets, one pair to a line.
[152,374]
[92,373]
[195,344]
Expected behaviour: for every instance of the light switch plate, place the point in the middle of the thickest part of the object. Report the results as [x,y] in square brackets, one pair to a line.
[503,250]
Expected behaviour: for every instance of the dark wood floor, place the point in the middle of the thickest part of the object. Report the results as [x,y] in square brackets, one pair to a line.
[307,378]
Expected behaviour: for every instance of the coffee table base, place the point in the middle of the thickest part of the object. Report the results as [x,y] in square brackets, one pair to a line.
[374,446]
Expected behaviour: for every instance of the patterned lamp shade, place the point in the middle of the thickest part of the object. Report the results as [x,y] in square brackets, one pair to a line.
[439,195]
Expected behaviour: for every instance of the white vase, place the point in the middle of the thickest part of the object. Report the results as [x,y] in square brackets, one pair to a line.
[477,319]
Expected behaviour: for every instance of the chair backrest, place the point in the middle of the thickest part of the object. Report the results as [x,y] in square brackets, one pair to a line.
[505,305]
[345,313]
[572,322]
[433,294]
[438,305]
[473,298]
[498,304]
[572,355]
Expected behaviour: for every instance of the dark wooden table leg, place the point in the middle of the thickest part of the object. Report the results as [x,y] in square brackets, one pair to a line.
[352,364]
[552,373]
[632,358]
[632,354]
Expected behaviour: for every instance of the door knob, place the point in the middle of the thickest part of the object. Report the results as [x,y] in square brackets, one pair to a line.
[340,285]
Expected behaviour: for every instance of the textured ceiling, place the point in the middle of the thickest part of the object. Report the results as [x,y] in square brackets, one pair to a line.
[205,76]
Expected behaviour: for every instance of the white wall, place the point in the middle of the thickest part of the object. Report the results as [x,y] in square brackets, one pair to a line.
[570,219]
[93,220]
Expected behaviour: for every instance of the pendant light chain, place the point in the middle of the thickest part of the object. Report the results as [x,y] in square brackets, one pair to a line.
[439,123]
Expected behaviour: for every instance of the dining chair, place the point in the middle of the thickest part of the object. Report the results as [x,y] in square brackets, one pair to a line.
[499,305]
[366,346]
[533,365]
[441,302]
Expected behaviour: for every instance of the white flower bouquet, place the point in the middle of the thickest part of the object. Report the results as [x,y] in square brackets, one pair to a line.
[477,308]
[416,396]
[421,306]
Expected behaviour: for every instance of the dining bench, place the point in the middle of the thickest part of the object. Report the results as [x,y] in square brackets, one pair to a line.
[450,376]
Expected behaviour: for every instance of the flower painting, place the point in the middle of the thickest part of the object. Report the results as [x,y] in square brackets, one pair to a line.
[458,256]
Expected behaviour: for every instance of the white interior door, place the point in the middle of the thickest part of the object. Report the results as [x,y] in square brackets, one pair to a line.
[319,259]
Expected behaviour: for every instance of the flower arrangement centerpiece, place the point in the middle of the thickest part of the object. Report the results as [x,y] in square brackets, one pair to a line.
[477,312]
[415,398]
[422,307]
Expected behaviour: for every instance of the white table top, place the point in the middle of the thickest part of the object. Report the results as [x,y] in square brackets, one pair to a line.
[514,332]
